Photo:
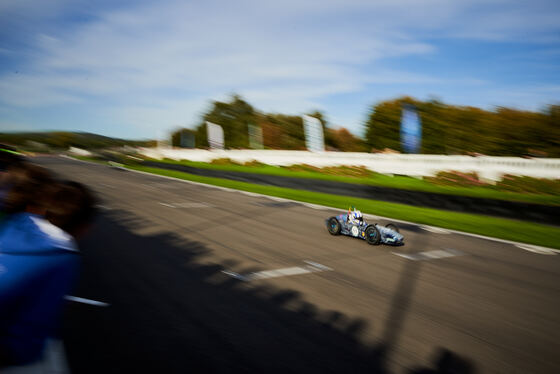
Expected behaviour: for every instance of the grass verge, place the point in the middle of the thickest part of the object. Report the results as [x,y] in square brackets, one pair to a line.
[526,232]
[400,182]
[90,159]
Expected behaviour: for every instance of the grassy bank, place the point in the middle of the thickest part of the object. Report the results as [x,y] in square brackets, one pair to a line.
[375,179]
[526,232]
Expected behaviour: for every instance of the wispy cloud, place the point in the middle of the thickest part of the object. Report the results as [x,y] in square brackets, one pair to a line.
[158,63]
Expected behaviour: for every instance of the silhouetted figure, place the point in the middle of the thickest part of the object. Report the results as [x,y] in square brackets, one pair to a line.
[38,262]
[447,362]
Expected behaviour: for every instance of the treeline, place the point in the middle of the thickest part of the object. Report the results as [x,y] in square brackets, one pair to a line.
[279,131]
[43,141]
[446,129]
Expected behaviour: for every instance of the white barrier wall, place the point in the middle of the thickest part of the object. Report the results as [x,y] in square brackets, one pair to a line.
[489,168]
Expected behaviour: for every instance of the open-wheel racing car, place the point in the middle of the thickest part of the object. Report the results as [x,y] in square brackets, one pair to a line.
[353,224]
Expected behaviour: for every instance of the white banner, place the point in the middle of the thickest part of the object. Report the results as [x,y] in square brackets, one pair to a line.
[215,135]
[313,134]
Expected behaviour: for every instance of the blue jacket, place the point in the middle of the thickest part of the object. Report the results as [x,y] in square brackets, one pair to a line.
[38,265]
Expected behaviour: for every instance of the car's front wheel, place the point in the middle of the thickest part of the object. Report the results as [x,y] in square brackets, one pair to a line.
[333,226]
[373,236]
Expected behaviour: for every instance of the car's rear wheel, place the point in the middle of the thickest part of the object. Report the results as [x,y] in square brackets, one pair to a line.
[333,226]
[393,227]
[373,236]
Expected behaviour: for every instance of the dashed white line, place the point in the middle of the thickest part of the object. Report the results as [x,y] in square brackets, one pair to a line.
[430,255]
[192,205]
[312,267]
[316,265]
[187,205]
[85,301]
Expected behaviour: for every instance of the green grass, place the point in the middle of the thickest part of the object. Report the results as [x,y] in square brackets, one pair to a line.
[89,158]
[525,232]
[401,182]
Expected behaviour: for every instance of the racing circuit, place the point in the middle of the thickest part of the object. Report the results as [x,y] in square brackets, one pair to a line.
[201,279]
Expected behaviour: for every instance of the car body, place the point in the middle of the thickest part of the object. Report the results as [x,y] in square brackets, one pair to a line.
[372,233]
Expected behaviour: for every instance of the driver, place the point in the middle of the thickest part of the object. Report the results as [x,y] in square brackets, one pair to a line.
[355,217]
[358,217]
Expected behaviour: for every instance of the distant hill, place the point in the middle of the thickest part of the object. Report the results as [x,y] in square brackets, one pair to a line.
[64,139]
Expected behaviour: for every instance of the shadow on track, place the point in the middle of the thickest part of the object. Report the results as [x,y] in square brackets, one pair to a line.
[171,313]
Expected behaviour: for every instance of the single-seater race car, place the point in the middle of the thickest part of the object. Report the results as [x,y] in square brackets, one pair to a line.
[353,224]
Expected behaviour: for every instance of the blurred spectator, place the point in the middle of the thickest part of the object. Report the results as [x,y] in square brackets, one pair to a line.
[26,188]
[9,158]
[38,259]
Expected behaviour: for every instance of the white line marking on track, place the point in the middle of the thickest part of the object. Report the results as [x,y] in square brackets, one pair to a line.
[192,205]
[317,265]
[249,193]
[537,249]
[85,301]
[317,207]
[312,267]
[187,205]
[435,230]
[430,255]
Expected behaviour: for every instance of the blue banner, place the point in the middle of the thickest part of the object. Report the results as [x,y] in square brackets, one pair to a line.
[411,129]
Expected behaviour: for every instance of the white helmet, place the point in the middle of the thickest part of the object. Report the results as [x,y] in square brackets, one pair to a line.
[357,215]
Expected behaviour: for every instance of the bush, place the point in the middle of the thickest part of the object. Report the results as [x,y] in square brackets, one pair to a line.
[254,163]
[302,167]
[523,184]
[348,171]
[224,161]
[456,178]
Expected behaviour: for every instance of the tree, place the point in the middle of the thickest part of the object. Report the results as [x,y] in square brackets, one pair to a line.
[383,125]
[234,117]
[282,131]
[343,140]
[452,129]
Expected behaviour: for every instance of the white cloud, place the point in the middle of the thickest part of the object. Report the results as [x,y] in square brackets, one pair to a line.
[158,63]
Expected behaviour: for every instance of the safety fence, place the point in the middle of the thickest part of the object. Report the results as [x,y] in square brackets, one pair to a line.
[487,167]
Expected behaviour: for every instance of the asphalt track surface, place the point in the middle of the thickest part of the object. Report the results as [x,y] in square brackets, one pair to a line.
[162,254]
[547,214]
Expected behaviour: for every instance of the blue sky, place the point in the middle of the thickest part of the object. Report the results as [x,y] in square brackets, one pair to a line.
[138,69]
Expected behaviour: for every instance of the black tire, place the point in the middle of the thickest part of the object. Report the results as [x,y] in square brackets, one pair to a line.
[373,236]
[393,227]
[333,226]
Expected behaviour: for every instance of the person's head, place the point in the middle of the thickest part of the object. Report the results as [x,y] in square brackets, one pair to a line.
[71,207]
[28,188]
[8,156]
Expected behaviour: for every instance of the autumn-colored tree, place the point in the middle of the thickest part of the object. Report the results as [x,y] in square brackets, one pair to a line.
[343,140]
[234,117]
[448,129]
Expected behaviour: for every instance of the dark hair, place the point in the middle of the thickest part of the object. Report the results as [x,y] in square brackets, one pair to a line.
[8,156]
[27,184]
[71,206]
